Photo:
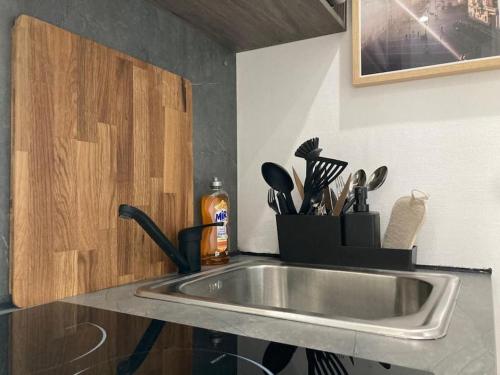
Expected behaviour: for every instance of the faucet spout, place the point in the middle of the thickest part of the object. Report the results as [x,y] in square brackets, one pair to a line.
[188,257]
[129,212]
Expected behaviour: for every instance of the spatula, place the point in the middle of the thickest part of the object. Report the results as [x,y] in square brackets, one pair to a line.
[323,172]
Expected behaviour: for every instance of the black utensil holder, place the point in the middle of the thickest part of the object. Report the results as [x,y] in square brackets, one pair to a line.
[313,239]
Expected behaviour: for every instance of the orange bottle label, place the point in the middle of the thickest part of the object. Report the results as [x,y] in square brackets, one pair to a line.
[215,240]
[221,216]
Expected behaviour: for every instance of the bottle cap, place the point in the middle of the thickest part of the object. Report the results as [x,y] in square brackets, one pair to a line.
[216,183]
[360,197]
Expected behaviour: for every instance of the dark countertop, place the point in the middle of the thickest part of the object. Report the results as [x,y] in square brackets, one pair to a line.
[468,348]
[65,338]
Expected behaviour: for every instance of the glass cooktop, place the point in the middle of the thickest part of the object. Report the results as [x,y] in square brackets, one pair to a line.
[63,338]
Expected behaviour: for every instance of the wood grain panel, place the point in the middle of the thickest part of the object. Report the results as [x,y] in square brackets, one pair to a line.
[92,128]
[141,183]
[243,25]
[64,192]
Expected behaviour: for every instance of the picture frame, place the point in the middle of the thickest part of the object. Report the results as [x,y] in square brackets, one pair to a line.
[400,40]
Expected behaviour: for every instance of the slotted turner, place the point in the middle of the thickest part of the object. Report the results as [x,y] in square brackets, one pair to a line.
[321,173]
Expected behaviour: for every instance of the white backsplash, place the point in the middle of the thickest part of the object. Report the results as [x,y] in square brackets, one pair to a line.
[439,135]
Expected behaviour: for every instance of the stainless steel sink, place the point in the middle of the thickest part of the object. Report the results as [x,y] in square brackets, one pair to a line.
[413,305]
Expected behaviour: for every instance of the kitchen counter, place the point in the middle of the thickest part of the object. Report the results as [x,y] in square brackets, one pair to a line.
[468,348]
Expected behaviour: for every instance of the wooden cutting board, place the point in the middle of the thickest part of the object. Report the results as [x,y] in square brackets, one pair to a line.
[92,128]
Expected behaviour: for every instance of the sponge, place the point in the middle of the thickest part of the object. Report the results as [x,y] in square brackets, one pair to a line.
[407,217]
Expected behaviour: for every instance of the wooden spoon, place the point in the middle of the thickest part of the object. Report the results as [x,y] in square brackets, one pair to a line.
[298,183]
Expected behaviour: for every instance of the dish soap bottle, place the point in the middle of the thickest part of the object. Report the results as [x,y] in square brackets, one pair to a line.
[215,241]
[362,226]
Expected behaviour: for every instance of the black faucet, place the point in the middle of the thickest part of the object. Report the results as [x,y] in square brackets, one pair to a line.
[188,257]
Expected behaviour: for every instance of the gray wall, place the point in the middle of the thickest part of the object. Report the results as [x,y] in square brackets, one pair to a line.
[139,29]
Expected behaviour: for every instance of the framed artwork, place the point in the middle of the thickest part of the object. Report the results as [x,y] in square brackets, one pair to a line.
[397,40]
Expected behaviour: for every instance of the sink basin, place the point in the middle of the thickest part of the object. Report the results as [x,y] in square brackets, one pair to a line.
[413,305]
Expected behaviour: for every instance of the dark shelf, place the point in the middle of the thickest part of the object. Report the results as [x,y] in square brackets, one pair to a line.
[243,25]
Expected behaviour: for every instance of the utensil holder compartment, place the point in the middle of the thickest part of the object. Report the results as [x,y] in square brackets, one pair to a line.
[318,240]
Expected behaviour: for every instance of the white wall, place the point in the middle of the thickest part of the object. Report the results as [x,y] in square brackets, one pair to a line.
[439,135]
